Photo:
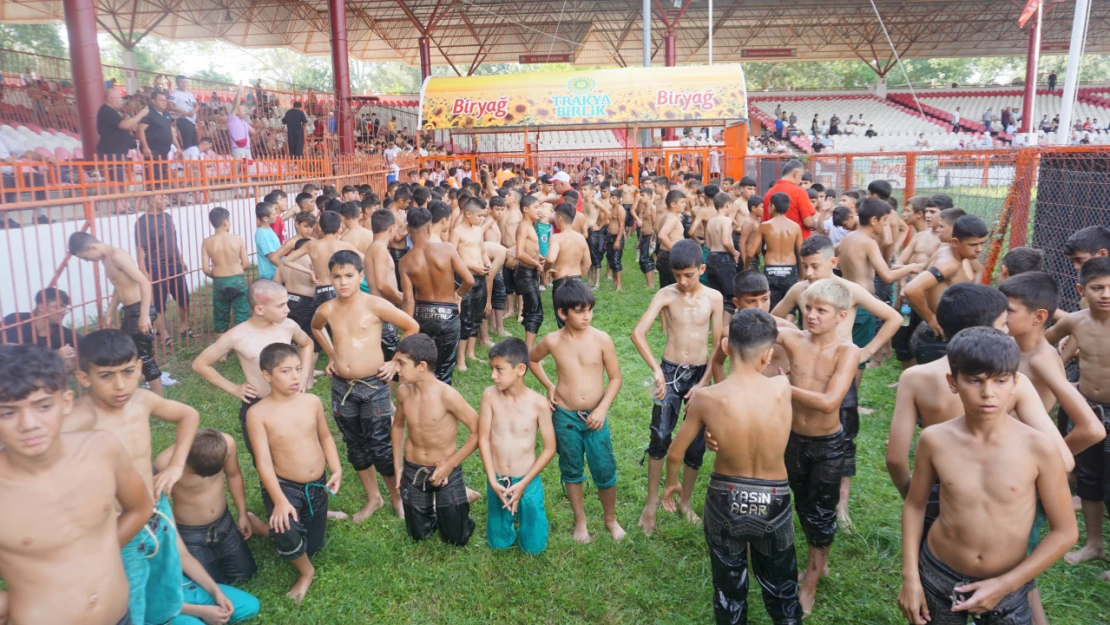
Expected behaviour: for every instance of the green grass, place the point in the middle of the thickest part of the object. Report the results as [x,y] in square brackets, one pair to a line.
[373,573]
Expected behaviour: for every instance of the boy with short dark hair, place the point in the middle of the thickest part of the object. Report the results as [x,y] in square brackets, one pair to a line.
[266,241]
[530,264]
[1022,260]
[427,464]
[223,257]
[467,237]
[133,290]
[292,445]
[319,252]
[969,564]
[509,418]
[685,355]
[60,546]
[783,239]
[1086,243]
[668,232]
[581,401]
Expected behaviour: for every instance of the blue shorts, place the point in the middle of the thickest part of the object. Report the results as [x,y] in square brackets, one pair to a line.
[578,446]
[153,569]
[501,530]
[543,233]
[246,605]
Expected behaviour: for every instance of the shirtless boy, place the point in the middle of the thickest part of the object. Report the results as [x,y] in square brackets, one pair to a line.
[398,246]
[922,246]
[427,463]
[510,416]
[748,230]
[950,265]
[581,401]
[293,443]
[319,251]
[822,367]
[643,217]
[530,264]
[628,193]
[133,290]
[429,293]
[1091,329]
[200,509]
[685,355]
[301,286]
[783,239]
[350,328]
[382,277]
[969,564]
[749,290]
[614,244]
[748,499]
[495,279]
[510,221]
[109,369]
[60,546]
[598,231]
[469,239]
[568,257]
[269,323]
[723,257]
[667,234]
[223,257]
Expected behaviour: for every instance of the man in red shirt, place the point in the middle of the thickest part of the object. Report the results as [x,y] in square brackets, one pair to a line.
[801,209]
[561,182]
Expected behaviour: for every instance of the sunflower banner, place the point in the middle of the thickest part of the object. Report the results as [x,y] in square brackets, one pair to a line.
[649,96]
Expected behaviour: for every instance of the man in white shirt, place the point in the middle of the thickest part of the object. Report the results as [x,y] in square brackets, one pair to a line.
[956,120]
[183,106]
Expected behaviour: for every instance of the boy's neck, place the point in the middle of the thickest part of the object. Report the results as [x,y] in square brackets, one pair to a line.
[867,231]
[823,338]
[382,237]
[425,381]
[352,224]
[102,406]
[743,370]
[984,424]
[262,225]
[1096,313]
[516,389]
[279,396]
[1030,339]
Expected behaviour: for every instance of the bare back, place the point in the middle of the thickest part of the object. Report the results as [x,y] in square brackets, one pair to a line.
[567,250]
[752,434]
[126,288]
[226,252]
[717,231]
[320,252]
[430,269]
[782,238]
[853,259]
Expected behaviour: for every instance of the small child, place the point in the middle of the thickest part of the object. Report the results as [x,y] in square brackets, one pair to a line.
[133,290]
[432,485]
[292,444]
[992,467]
[583,356]
[204,521]
[223,257]
[510,416]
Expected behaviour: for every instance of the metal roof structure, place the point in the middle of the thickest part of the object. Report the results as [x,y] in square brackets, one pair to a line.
[467,33]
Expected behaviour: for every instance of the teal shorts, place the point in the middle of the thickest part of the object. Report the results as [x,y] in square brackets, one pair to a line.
[246,605]
[543,233]
[574,442]
[864,330]
[704,278]
[229,297]
[365,286]
[501,531]
[153,569]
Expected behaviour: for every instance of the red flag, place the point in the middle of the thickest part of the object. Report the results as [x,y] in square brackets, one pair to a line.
[1029,12]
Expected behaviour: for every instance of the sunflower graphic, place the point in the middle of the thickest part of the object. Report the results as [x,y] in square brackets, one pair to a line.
[581,85]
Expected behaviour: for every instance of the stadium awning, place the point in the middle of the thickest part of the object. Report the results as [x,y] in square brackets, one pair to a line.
[602,98]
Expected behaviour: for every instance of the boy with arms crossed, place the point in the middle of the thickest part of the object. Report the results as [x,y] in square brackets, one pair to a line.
[133,290]
[783,238]
[822,366]
[748,500]
[223,257]
[427,464]
[350,328]
[109,369]
[510,416]
[991,467]
[581,403]
[568,258]
[468,238]
[684,362]
[60,547]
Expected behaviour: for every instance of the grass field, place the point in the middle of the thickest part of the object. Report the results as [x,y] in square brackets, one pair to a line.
[373,573]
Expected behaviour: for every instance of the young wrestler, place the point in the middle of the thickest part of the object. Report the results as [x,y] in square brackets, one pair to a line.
[991,467]
[643,218]
[1087,243]
[495,279]
[427,464]
[920,249]
[204,521]
[269,323]
[530,264]
[382,277]
[510,221]
[428,290]
[668,233]
[60,546]
[692,315]
[468,238]
[628,195]
[292,445]
[598,231]
[723,256]
[223,257]
[748,230]
[510,416]
[350,329]
[301,284]
[1090,328]
[614,244]
[133,291]
[398,246]
[319,252]
[783,239]
[581,403]
[1022,260]
[206,601]
[266,241]
[748,500]
[951,265]
[568,257]
[822,366]
[109,369]
[355,234]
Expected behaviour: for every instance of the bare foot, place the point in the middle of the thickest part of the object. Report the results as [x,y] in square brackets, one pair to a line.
[398,507]
[502,332]
[894,385]
[476,358]
[258,526]
[688,512]
[866,411]
[647,519]
[581,534]
[615,530]
[487,343]
[299,589]
[807,596]
[370,508]
[472,495]
[1105,576]
[461,366]
[843,521]
[337,515]
[1084,554]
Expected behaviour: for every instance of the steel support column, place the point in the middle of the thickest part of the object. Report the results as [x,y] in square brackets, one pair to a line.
[670,58]
[1028,124]
[88,81]
[343,123]
[425,58]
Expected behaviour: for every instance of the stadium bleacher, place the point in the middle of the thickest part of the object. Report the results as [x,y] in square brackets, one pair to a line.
[551,140]
[62,145]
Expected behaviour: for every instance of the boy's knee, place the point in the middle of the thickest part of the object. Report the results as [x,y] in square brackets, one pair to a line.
[290,544]
[247,606]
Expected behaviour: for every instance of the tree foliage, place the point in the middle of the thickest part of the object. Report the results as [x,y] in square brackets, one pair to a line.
[34,38]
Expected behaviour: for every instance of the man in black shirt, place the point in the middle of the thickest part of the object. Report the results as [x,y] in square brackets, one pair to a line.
[157,134]
[160,259]
[1051,82]
[295,122]
[43,326]
[115,131]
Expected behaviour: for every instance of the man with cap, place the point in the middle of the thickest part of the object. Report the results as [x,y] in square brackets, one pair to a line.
[561,182]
